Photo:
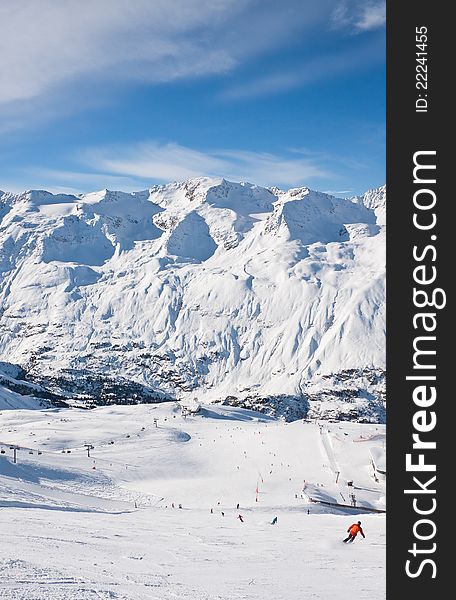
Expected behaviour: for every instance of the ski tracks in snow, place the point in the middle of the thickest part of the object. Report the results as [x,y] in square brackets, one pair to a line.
[21,580]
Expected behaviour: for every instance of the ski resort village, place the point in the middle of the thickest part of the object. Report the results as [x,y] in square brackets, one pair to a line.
[192,394]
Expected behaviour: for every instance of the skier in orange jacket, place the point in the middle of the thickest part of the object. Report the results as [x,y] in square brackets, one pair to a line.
[353,531]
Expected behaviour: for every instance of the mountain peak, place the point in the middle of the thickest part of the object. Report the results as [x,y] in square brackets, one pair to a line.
[204,287]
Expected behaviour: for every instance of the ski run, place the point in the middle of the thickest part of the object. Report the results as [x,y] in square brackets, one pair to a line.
[141,503]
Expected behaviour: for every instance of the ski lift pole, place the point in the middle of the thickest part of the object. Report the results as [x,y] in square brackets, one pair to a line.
[89,447]
[14,448]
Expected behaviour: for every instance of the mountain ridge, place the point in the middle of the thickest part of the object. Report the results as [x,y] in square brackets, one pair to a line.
[203,288]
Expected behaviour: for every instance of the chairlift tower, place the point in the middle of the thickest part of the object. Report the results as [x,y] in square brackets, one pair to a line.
[88,447]
[14,449]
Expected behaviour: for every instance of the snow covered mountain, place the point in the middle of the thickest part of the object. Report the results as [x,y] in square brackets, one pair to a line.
[222,291]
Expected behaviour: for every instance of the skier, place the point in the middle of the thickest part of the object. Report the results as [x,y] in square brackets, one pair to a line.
[241,518]
[274,521]
[353,531]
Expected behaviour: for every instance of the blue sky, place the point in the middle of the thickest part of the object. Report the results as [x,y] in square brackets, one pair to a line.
[127,93]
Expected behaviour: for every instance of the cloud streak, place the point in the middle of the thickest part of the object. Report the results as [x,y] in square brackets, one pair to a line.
[322,68]
[154,162]
[357,16]
[137,166]
[47,46]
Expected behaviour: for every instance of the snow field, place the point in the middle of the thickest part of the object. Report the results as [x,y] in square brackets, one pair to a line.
[74,531]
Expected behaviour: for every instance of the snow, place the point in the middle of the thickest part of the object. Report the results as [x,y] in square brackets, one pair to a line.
[204,287]
[379,458]
[25,397]
[12,400]
[199,291]
[72,531]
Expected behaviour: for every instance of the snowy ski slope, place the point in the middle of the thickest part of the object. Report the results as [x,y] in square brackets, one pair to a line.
[104,526]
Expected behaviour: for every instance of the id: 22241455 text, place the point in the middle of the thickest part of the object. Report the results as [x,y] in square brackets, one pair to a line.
[421,68]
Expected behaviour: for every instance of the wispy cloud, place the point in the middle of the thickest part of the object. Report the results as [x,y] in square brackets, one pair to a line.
[71,49]
[66,181]
[138,166]
[372,17]
[152,162]
[133,167]
[321,68]
[357,16]
[45,44]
